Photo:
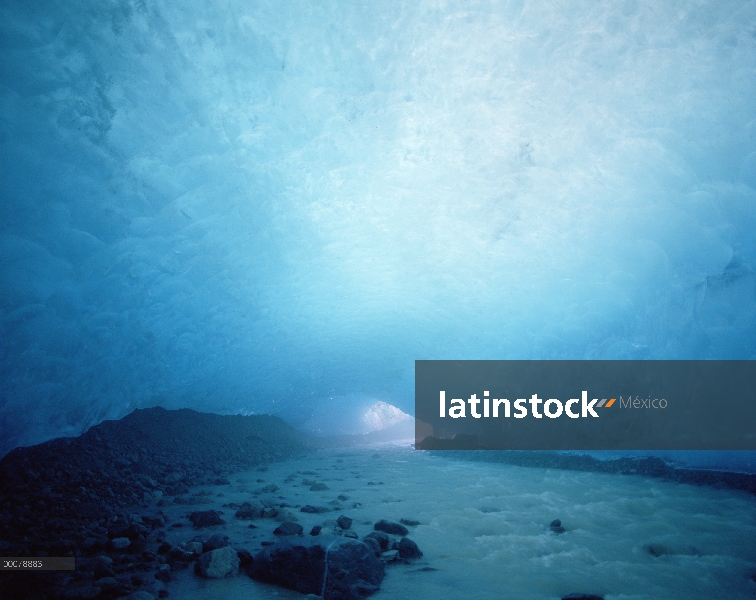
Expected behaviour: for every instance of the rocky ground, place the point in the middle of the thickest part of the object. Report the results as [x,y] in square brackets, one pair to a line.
[138,501]
[83,496]
[141,500]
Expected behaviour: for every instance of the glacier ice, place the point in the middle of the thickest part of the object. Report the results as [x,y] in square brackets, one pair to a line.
[257,207]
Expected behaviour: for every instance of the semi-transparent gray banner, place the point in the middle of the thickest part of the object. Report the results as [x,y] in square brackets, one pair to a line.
[585,404]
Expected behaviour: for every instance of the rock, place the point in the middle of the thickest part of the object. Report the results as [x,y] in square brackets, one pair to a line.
[344,522]
[556,526]
[409,522]
[268,489]
[91,544]
[308,482]
[319,487]
[101,566]
[216,541]
[380,537]
[120,543]
[337,568]
[195,548]
[314,509]
[288,528]
[286,514]
[315,530]
[164,548]
[218,563]
[205,518]
[657,550]
[245,558]
[578,596]
[163,575]
[351,534]
[180,554]
[392,528]
[250,510]
[408,549]
[373,544]
[156,537]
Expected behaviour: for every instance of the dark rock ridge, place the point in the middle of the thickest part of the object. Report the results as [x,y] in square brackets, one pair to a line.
[72,496]
[334,567]
[647,467]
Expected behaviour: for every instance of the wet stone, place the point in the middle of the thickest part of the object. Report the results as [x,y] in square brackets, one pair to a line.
[307,508]
[218,563]
[288,528]
[390,527]
[205,518]
[408,549]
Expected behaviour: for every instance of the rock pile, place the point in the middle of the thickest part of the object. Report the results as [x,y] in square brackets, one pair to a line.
[79,496]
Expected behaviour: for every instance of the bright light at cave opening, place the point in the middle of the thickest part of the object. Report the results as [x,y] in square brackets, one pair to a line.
[382,415]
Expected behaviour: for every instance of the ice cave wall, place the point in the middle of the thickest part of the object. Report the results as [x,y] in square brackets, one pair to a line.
[269,207]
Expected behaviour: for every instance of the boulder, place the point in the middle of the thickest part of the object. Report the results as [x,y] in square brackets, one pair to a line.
[245,558]
[120,543]
[205,518]
[288,528]
[556,526]
[268,489]
[218,563]
[373,544]
[286,514]
[250,510]
[194,548]
[381,538]
[216,541]
[177,553]
[331,566]
[408,549]
[392,528]
[344,522]
[319,487]
[307,508]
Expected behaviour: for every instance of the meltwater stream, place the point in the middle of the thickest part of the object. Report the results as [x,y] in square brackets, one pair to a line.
[484,529]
